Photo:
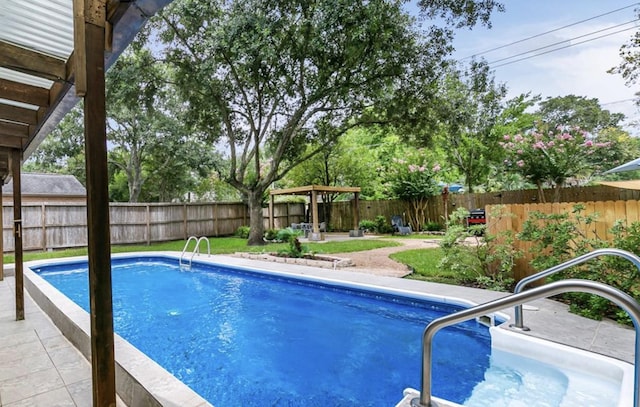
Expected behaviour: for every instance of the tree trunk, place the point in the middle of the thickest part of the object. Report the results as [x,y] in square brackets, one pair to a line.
[256,222]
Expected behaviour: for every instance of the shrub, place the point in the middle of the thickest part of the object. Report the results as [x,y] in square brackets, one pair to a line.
[294,248]
[560,237]
[483,261]
[243,232]
[432,226]
[367,225]
[270,234]
[382,226]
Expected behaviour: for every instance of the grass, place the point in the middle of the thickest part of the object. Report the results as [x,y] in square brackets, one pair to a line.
[219,245]
[424,263]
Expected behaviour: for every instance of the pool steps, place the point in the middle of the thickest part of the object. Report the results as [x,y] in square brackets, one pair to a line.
[620,298]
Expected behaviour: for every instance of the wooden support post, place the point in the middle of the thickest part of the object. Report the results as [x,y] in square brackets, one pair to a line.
[314,211]
[89,39]
[16,157]
[356,211]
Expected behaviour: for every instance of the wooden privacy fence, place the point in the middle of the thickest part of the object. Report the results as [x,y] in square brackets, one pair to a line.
[514,216]
[59,226]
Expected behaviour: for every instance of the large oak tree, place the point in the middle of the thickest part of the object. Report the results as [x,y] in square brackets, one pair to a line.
[267,78]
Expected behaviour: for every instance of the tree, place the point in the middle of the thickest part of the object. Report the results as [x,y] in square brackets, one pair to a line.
[351,161]
[470,105]
[63,150]
[273,77]
[550,155]
[151,143]
[412,180]
[578,111]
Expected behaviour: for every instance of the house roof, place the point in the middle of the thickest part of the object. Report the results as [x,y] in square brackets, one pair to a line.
[47,184]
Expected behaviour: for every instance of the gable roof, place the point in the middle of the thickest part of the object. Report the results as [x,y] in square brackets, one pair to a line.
[47,184]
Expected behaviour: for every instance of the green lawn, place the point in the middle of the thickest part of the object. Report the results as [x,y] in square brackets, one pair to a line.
[219,245]
[424,263]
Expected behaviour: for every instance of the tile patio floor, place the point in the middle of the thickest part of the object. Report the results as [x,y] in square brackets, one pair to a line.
[38,366]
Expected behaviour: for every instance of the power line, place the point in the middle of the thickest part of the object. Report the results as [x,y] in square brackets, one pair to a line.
[551,31]
[561,48]
[563,41]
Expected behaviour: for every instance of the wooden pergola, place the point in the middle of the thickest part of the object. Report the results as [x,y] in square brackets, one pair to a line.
[312,191]
[52,54]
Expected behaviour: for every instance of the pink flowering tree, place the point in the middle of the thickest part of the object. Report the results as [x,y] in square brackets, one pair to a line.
[412,180]
[550,157]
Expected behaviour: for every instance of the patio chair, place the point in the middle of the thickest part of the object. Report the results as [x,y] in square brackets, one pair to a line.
[399,226]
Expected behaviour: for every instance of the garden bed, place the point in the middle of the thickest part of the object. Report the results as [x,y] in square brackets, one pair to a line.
[307,260]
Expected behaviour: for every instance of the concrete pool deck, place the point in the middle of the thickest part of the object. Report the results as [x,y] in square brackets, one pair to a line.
[40,367]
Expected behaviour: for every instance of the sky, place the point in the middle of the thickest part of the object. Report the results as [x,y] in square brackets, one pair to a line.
[580,69]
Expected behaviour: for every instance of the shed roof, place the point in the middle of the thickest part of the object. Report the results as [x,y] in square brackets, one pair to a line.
[47,184]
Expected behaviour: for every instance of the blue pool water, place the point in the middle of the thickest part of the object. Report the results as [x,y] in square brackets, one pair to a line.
[239,337]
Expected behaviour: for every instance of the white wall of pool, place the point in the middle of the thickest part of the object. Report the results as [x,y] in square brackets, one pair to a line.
[142,382]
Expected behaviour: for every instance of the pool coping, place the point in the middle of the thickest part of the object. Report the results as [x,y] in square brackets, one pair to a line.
[141,382]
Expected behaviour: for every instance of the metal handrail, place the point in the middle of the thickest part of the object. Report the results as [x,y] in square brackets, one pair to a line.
[195,249]
[620,298]
[519,323]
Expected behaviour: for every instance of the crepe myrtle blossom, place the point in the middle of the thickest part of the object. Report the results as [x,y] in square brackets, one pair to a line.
[549,157]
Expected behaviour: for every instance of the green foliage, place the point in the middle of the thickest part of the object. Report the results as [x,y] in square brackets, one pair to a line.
[367,225]
[578,111]
[469,105]
[270,234]
[412,179]
[560,237]
[243,232]
[549,155]
[378,225]
[382,226]
[432,226]
[487,262]
[294,247]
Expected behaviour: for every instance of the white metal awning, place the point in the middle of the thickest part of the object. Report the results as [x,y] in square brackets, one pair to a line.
[36,67]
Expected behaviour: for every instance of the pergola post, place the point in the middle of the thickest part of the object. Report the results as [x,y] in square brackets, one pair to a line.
[315,234]
[16,157]
[89,35]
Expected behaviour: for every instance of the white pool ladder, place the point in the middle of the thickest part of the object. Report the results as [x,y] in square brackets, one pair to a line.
[182,261]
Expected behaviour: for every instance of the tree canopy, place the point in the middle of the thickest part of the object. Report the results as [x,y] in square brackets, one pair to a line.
[277,76]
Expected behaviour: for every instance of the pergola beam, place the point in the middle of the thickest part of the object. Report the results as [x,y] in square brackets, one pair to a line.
[18,114]
[29,94]
[32,63]
[13,129]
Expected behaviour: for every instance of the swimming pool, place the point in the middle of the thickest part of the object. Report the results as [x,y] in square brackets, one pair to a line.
[314,381]
[229,335]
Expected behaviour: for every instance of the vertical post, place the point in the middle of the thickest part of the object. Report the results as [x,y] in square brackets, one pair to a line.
[356,210]
[16,157]
[184,221]
[148,225]
[89,40]
[271,208]
[44,226]
[314,211]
